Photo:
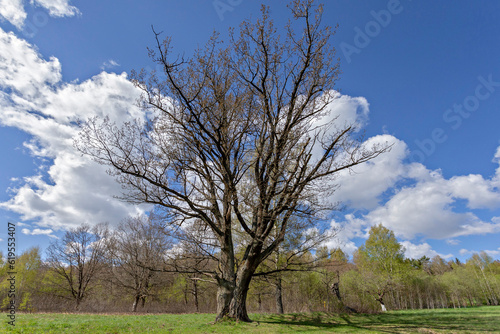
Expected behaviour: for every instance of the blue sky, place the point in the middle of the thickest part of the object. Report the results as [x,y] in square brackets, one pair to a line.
[425,74]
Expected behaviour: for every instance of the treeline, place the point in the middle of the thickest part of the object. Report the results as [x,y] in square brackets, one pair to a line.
[139,267]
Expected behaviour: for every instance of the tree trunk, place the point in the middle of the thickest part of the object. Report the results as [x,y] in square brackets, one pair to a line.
[336,290]
[380,299]
[492,299]
[77,305]
[224,295]
[279,296]
[195,295]
[238,305]
[136,302]
[226,277]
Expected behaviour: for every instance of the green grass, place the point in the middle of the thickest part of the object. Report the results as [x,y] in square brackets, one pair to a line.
[470,320]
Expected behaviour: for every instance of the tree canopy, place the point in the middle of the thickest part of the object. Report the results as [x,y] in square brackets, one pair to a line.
[238,140]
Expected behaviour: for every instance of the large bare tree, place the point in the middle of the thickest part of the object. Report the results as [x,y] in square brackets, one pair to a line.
[238,139]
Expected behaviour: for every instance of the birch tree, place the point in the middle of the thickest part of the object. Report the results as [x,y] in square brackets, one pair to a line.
[381,262]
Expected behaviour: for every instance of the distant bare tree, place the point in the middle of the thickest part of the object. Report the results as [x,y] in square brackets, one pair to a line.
[302,238]
[239,138]
[77,259]
[137,247]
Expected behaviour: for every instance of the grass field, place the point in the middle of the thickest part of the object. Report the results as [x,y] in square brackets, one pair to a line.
[470,320]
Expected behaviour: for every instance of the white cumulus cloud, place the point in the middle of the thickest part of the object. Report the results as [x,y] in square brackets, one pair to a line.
[37,231]
[57,8]
[345,232]
[416,251]
[415,202]
[361,187]
[14,10]
[73,189]
[429,207]
[492,253]
[109,64]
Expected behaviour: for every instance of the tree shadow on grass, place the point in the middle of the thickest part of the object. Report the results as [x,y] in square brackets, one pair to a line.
[423,321]
[319,320]
[470,320]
